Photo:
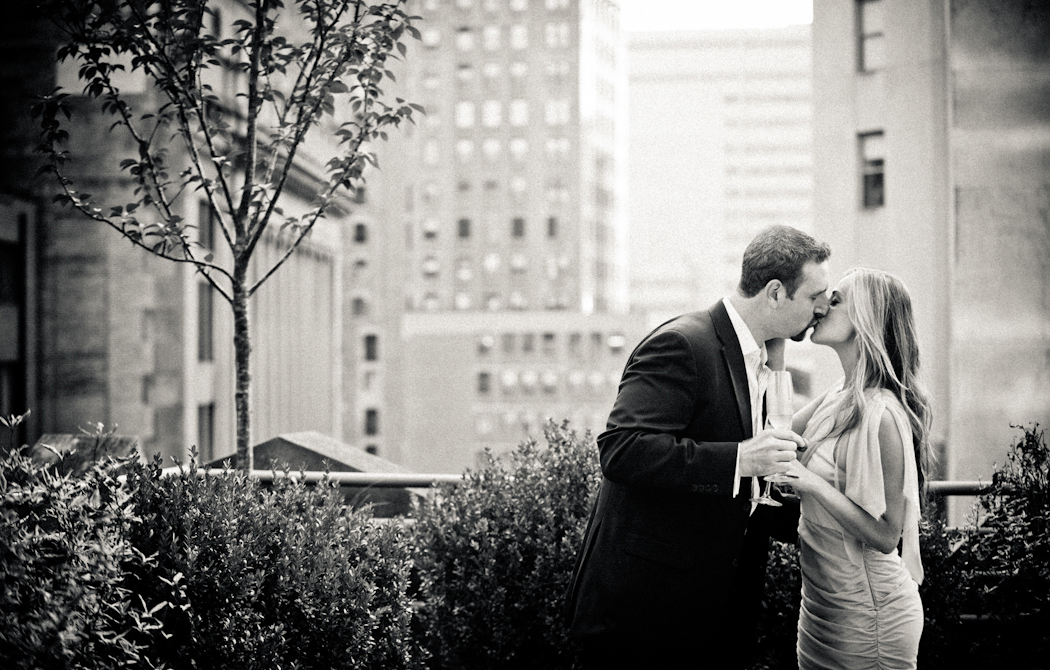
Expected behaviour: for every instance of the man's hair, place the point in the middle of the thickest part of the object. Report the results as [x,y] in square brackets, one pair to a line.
[779,252]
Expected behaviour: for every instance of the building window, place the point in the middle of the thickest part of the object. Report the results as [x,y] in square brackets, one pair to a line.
[492,70]
[490,37]
[871,45]
[359,307]
[372,449]
[491,113]
[519,5]
[552,226]
[549,345]
[431,266]
[558,112]
[371,422]
[872,156]
[465,72]
[463,228]
[371,347]
[557,149]
[519,113]
[431,153]
[360,233]
[430,229]
[484,383]
[206,432]
[519,148]
[464,39]
[517,227]
[464,114]
[205,323]
[557,35]
[465,150]
[206,226]
[519,262]
[519,37]
[491,148]
[462,301]
[431,38]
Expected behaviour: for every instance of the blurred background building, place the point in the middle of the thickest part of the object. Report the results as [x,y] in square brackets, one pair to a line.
[721,146]
[932,160]
[95,330]
[506,231]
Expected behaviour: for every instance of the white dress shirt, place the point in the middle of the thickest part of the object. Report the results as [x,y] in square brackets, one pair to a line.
[755,360]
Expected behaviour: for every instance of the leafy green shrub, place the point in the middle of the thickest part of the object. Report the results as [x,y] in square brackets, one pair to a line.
[1005,560]
[495,555]
[64,553]
[778,618]
[940,646]
[265,578]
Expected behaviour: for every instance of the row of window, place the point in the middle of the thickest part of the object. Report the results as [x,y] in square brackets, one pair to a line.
[555,190]
[558,73]
[497,5]
[556,35]
[547,382]
[577,345]
[510,423]
[557,113]
[492,301]
[556,150]
[465,228]
[517,264]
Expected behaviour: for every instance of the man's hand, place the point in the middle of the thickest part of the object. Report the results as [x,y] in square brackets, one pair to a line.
[769,452]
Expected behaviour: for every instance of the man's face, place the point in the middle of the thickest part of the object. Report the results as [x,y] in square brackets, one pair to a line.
[796,315]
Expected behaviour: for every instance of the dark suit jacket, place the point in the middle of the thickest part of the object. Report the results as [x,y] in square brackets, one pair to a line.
[669,556]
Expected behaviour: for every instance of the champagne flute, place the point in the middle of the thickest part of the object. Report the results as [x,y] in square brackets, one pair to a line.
[779,413]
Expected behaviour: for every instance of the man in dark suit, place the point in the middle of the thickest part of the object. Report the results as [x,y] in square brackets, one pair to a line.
[673,561]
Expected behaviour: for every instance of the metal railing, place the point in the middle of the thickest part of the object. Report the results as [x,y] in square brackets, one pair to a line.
[427,480]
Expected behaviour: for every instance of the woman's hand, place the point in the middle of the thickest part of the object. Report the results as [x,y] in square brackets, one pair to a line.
[801,479]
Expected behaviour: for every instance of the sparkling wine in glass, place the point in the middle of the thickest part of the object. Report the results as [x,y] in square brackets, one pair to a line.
[779,413]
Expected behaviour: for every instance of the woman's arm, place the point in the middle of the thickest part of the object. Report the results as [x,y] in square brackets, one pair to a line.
[885,532]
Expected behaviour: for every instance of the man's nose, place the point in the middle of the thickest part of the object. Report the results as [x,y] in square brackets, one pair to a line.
[821,308]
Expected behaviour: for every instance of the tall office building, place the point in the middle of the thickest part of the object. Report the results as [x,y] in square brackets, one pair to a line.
[515,202]
[721,146]
[507,230]
[932,138]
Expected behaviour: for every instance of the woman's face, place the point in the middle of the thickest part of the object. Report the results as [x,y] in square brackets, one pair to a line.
[835,328]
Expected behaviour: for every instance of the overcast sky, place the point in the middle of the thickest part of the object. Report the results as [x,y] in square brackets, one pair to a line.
[643,15]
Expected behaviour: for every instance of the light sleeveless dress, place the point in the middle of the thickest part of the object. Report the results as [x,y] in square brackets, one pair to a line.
[860,607]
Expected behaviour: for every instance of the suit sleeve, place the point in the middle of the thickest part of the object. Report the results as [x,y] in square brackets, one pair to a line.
[644,447]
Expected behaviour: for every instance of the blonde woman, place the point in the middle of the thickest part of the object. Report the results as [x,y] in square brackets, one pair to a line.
[859,484]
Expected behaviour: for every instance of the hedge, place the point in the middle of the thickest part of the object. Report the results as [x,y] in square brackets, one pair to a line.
[117,566]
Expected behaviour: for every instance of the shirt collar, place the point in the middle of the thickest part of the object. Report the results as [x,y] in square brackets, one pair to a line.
[748,345]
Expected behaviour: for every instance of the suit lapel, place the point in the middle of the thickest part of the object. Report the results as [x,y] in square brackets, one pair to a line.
[735,363]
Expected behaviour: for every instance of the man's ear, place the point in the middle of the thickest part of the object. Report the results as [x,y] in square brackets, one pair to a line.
[774,293]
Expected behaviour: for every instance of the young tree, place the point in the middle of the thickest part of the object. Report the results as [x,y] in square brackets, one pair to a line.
[298,73]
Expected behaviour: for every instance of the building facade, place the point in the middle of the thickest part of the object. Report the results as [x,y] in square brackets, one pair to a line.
[501,220]
[109,333]
[721,146]
[932,140]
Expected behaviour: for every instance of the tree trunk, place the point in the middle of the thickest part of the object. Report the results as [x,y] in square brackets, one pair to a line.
[242,356]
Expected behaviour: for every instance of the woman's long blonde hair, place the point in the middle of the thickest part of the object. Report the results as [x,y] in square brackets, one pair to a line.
[880,310]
